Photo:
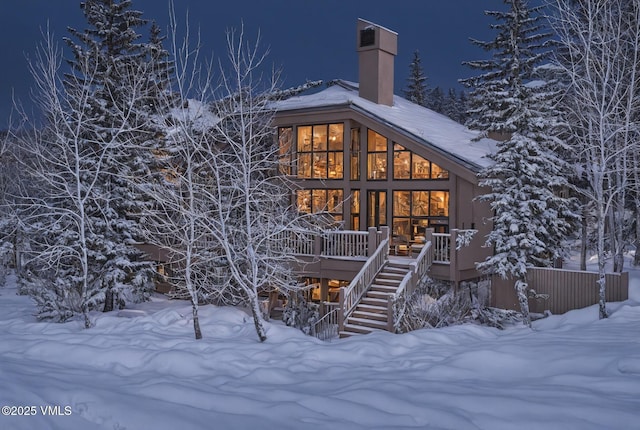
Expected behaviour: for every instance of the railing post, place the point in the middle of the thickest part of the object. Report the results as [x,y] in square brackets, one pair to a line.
[428,235]
[454,273]
[373,241]
[341,310]
[317,245]
[390,322]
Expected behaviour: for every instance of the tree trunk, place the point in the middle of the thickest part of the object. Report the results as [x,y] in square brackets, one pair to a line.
[257,319]
[584,239]
[602,304]
[108,300]
[196,321]
[521,290]
[602,281]
[85,314]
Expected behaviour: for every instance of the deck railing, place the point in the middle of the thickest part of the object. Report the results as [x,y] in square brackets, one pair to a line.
[397,303]
[424,260]
[300,243]
[351,295]
[345,244]
[326,328]
[441,248]
[334,243]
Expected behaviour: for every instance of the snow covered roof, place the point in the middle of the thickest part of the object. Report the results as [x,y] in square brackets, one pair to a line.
[423,125]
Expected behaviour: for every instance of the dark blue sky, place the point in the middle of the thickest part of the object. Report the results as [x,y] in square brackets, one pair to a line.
[308,40]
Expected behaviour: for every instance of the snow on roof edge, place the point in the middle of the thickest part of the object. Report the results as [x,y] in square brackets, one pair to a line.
[429,128]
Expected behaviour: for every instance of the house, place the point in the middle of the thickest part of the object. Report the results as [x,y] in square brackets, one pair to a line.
[370,159]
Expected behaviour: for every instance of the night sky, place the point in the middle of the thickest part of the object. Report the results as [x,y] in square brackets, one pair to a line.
[308,40]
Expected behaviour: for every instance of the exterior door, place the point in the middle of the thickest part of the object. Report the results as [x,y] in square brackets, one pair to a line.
[376,208]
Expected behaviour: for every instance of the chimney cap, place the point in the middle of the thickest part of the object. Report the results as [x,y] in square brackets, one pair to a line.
[373,36]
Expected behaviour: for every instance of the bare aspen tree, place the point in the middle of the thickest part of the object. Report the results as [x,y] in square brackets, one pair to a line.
[599,58]
[63,202]
[221,208]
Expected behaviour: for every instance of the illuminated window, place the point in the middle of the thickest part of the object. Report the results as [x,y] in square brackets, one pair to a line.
[414,211]
[355,209]
[320,151]
[408,165]
[321,201]
[355,154]
[285,140]
[401,162]
[376,156]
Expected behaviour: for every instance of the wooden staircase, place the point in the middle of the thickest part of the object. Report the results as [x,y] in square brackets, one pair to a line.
[371,312]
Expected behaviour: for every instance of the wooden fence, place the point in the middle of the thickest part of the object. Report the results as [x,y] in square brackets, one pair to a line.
[567,290]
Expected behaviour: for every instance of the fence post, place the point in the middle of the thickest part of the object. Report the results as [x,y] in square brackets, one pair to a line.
[390,322]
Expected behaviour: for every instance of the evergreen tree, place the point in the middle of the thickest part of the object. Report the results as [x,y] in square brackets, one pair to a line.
[416,89]
[461,108]
[530,220]
[450,105]
[128,75]
[436,100]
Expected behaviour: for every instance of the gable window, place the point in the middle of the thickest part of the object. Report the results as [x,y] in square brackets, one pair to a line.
[408,165]
[376,156]
[320,151]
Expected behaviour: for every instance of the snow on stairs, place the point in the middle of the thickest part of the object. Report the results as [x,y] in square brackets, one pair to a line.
[370,314]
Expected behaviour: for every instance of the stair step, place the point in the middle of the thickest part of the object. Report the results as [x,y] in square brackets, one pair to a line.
[355,329]
[391,276]
[383,288]
[378,295]
[374,302]
[369,315]
[364,322]
[385,283]
[372,309]
[396,265]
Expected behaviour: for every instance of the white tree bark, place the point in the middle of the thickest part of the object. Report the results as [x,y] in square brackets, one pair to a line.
[61,202]
[599,45]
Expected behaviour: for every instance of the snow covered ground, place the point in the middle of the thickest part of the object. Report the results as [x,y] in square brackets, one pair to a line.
[146,372]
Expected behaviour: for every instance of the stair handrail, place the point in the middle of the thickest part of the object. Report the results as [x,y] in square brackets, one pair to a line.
[327,326]
[424,260]
[392,300]
[407,287]
[351,295]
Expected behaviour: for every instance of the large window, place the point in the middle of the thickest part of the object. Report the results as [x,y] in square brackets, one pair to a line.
[376,156]
[355,209]
[355,154]
[414,211]
[320,151]
[407,165]
[285,139]
[321,201]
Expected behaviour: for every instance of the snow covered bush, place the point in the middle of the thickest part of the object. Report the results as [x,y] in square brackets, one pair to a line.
[55,299]
[437,304]
[300,313]
[6,255]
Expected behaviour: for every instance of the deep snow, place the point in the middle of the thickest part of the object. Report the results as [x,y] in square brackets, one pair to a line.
[145,371]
